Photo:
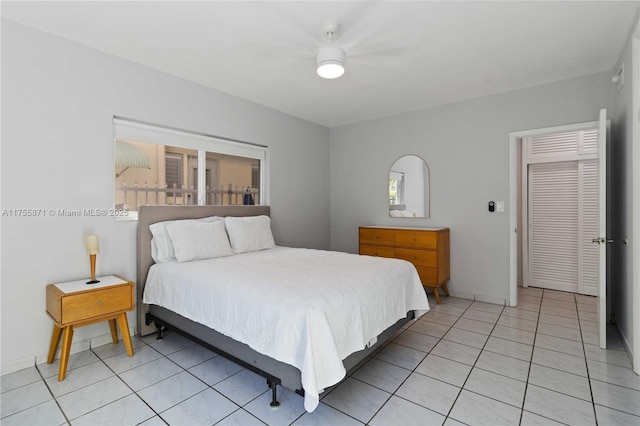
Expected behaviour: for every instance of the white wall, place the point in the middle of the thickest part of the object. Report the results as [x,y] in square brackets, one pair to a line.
[622,196]
[58,101]
[466,146]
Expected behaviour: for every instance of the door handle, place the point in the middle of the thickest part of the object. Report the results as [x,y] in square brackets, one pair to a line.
[601,240]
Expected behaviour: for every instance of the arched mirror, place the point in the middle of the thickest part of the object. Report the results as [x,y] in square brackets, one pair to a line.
[409,188]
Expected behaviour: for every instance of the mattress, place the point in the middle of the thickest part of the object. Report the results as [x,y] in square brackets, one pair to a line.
[307,308]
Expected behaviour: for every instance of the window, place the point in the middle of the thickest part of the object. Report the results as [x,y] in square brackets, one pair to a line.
[173,171]
[396,188]
[155,165]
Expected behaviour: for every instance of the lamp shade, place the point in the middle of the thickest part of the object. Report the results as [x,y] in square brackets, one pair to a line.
[92,244]
[330,61]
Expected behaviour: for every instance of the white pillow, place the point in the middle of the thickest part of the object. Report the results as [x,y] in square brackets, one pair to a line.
[161,246]
[154,250]
[194,240]
[249,233]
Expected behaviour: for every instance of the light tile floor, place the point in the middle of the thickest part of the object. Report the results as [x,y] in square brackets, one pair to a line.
[463,362]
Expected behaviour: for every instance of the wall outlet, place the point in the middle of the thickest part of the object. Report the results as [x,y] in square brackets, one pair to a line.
[500,206]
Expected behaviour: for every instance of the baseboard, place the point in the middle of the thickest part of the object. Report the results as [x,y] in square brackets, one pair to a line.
[76,346]
[478,297]
[462,294]
[627,345]
[491,299]
[13,366]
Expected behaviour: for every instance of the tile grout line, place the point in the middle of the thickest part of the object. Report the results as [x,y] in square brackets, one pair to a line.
[409,375]
[474,363]
[52,395]
[125,383]
[437,341]
[586,364]
[166,356]
[533,348]
[414,369]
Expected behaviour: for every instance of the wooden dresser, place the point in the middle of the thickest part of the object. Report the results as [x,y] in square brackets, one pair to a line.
[426,248]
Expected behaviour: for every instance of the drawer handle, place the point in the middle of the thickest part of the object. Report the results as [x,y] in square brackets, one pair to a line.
[415,239]
[415,257]
[375,237]
[99,302]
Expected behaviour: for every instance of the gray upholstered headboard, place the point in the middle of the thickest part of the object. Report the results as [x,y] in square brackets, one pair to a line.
[152,214]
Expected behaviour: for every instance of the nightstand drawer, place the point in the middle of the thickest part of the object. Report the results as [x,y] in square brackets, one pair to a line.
[83,306]
[419,257]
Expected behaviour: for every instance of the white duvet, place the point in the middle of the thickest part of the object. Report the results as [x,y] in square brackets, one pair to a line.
[307,308]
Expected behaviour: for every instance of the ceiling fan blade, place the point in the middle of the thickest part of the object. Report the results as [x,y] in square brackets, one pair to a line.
[266,49]
[381,51]
[368,36]
[369,69]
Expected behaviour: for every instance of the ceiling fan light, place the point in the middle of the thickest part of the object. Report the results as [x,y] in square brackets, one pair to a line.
[330,69]
[330,61]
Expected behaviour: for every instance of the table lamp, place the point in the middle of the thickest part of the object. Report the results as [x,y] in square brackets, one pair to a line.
[93,248]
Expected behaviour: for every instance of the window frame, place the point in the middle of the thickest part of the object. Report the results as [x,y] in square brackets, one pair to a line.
[158,135]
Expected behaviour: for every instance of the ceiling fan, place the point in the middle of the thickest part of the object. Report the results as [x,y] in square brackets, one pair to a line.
[330,58]
[333,52]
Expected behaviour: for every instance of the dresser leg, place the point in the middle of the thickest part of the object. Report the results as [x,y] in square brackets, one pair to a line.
[114,330]
[124,329]
[67,337]
[446,290]
[436,293]
[55,341]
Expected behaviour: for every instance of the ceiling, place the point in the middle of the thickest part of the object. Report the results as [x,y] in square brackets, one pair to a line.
[401,56]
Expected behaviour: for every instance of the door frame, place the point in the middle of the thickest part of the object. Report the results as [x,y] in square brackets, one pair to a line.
[635,151]
[515,157]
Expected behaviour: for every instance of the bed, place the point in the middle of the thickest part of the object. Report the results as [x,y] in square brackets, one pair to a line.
[235,304]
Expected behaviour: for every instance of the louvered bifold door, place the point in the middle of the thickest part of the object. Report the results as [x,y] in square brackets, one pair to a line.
[553,225]
[588,224]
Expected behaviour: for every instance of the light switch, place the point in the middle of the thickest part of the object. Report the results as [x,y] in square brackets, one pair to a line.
[500,206]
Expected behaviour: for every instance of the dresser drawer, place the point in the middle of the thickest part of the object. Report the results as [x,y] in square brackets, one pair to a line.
[416,239]
[418,257]
[380,251]
[83,306]
[428,276]
[374,236]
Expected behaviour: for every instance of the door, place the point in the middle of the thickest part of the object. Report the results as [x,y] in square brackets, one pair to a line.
[592,169]
[601,238]
[561,212]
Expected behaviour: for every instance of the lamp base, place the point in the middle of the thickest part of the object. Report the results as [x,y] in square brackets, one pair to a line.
[93,282]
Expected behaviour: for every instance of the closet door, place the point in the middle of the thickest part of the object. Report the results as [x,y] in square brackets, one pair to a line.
[553,225]
[563,211]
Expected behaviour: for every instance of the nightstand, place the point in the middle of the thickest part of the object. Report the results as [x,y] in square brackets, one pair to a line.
[75,304]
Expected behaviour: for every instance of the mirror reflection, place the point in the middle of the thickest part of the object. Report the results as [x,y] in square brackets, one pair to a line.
[409,188]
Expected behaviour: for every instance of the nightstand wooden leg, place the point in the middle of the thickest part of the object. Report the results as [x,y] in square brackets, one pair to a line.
[446,290]
[124,329]
[55,341]
[67,337]
[437,294]
[114,330]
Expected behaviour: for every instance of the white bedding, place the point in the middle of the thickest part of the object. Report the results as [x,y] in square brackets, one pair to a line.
[308,308]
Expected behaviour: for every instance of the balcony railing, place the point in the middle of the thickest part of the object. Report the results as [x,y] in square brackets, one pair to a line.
[130,197]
